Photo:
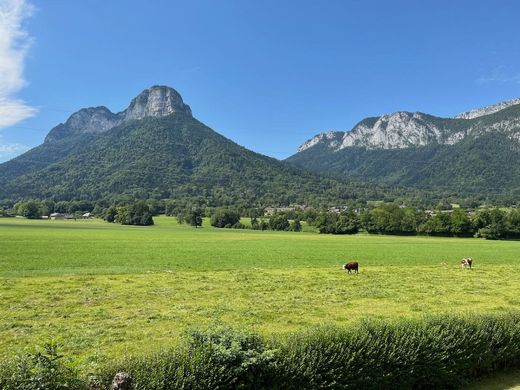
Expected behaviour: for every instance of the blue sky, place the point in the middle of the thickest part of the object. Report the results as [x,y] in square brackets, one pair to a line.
[267,74]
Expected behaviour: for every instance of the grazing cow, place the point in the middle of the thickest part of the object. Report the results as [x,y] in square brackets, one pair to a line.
[352,266]
[466,263]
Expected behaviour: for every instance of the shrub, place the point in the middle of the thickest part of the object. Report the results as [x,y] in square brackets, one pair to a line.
[44,369]
[435,352]
[208,360]
[438,352]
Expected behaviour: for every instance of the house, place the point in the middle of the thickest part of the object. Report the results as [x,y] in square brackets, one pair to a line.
[57,216]
[87,216]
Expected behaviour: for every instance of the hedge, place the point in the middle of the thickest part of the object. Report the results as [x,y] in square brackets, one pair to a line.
[435,352]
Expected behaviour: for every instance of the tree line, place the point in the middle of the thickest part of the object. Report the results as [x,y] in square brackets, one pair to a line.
[489,223]
[492,223]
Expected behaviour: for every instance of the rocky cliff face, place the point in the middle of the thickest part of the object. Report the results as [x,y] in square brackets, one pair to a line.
[478,112]
[402,130]
[156,101]
[394,131]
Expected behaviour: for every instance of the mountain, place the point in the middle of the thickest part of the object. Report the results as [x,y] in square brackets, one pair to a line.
[474,153]
[156,148]
[82,127]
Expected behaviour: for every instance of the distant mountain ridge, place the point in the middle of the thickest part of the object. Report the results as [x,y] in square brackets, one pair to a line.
[404,129]
[477,151]
[155,148]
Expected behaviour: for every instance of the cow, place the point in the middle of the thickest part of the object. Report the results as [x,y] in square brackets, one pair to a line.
[352,266]
[466,263]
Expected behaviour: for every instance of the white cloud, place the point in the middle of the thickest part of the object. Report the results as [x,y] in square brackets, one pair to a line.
[500,75]
[10,150]
[14,43]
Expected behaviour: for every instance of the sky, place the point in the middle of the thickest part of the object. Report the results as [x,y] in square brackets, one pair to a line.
[267,74]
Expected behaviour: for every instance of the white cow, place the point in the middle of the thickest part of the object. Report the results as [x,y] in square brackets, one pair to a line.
[466,263]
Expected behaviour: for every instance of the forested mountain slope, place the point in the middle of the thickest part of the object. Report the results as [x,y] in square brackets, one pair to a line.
[156,148]
[469,156]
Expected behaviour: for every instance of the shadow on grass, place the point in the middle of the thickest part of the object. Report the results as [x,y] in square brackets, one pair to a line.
[498,381]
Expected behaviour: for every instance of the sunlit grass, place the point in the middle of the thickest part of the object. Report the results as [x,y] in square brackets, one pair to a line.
[103,289]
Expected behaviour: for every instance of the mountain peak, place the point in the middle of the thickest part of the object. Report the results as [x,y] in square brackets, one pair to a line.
[158,100]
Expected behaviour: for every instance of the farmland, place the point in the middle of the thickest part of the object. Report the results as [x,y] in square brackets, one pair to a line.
[103,289]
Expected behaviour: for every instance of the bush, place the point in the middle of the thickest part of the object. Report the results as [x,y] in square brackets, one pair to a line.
[437,352]
[44,369]
[209,360]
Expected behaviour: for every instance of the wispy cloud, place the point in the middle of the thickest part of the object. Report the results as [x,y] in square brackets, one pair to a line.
[14,43]
[10,150]
[500,75]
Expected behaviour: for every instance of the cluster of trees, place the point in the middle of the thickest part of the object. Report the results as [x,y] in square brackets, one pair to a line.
[134,214]
[334,223]
[226,218]
[31,209]
[492,223]
[231,218]
[35,209]
[191,216]
[278,221]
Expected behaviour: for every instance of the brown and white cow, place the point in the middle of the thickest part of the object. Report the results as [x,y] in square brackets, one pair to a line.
[466,263]
[352,266]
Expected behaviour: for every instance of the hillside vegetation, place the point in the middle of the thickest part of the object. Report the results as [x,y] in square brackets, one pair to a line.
[485,161]
[174,157]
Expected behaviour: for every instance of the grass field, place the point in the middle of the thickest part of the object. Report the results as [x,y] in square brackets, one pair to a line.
[101,289]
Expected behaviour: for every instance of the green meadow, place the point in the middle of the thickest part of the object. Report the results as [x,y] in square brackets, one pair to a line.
[102,289]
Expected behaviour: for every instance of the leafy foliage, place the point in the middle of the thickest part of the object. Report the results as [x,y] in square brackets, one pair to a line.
[435,352]
[279,222]
[334,223]
[218,359]
[223,218]
[136,214]
[491,223]
[30,209]
[44,369]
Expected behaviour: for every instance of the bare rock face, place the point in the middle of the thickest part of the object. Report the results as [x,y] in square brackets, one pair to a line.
[155,101]
[85,121]
[392,131]
[403,129]
[122,381]
[478,112]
